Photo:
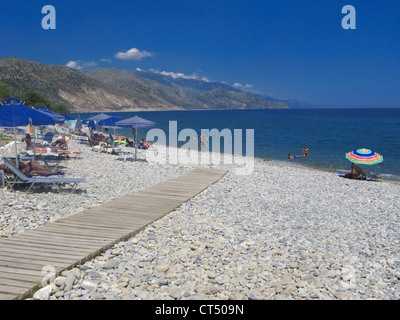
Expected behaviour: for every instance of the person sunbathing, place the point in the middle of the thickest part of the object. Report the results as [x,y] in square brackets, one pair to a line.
[144,144]
[51,150]
[119,139]
[60,143]
[31,168]
[35,168]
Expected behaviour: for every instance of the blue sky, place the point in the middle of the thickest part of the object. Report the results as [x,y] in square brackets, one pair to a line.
[287,49]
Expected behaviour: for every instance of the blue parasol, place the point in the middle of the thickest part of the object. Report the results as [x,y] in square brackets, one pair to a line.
[99,117]
[58,118]
[13,113]
[135,122]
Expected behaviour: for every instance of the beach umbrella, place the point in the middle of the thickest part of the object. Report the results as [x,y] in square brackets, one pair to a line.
[58,118]
[91,125]
[135,122]
[364,156]
[13,114]
[19,115]
[78,124]
[110,122]
[68,118]
[99,117]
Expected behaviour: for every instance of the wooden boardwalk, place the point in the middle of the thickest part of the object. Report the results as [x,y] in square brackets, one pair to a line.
[61,245]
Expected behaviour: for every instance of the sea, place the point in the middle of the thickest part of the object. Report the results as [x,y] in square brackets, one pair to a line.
[328,133]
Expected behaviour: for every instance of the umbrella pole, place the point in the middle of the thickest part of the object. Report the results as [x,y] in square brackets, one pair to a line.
[34,144]
[16,149]
[135,137]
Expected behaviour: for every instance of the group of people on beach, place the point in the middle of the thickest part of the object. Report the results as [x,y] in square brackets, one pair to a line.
[60,143]
[305,153]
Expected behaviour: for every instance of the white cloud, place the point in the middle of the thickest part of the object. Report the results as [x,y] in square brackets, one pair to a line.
[79,65]
[133,54]
[180,75]
[241,86]
[176,75]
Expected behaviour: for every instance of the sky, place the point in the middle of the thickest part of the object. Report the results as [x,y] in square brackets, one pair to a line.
[285,49]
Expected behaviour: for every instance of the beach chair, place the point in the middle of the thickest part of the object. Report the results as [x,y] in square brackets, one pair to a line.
[362,175]
[21,179]
[47,139]
[129,143]
[360,172]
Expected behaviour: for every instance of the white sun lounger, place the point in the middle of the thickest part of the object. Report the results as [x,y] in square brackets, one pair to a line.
[38,181]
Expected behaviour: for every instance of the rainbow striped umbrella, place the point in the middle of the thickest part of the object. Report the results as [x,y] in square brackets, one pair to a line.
[364,156]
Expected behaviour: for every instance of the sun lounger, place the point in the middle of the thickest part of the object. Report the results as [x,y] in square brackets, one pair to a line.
[21,179]
[47,139]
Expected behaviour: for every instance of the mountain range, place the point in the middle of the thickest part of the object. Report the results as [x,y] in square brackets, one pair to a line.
[122,90]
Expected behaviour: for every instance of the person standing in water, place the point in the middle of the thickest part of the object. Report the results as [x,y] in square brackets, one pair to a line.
[305,151]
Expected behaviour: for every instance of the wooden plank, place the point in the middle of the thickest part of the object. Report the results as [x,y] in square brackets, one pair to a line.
[17,291]
[74,224]
[21,277]
[64,240]
[85,234]
[33,273]
[35,258]
[26,262]
[16,283]
[61,234]
[38,248]
[61,246]
[5,296]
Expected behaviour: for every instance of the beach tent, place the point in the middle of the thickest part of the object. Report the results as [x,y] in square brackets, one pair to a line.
[135,122]
[13,114]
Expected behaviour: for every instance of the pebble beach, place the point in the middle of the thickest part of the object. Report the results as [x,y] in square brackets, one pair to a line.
[284,231]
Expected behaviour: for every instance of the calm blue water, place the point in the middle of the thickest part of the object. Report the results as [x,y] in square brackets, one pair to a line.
[328,133]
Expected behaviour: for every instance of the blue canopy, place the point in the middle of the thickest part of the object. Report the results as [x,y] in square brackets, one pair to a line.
[91,125]
[58,118]
[135,122]
[99,117]
[110,122]
[12,101]
[18,115]
[68,118]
